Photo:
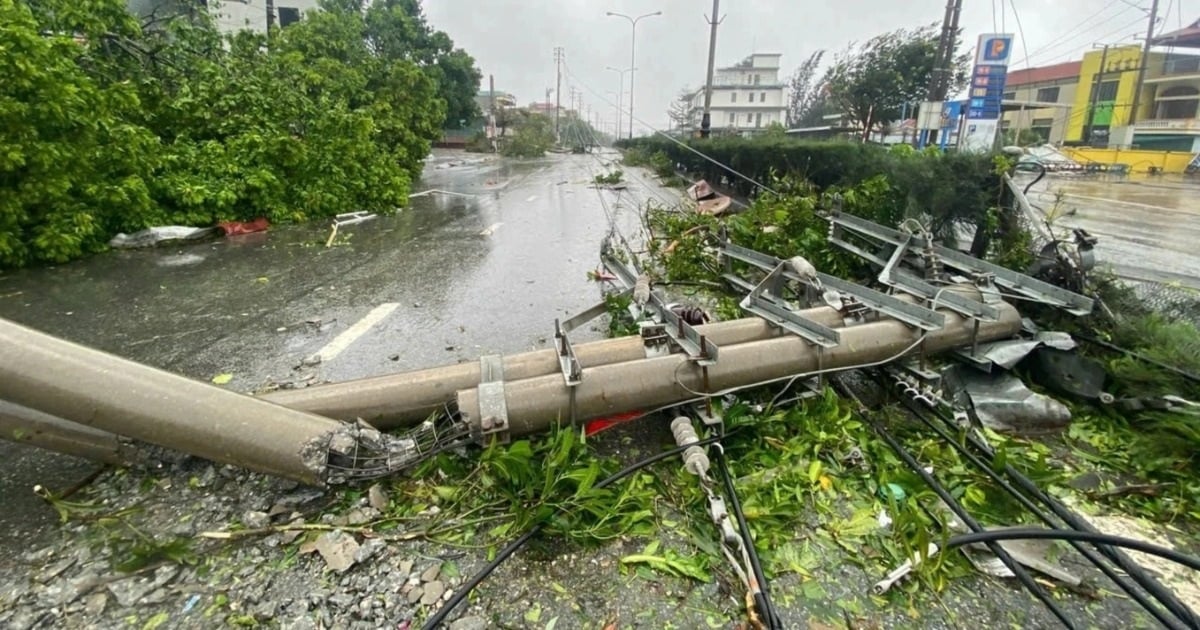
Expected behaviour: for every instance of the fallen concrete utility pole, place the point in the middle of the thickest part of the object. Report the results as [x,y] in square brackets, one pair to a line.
[535,404]
[401,400]
[105,392]
[387,402]
[28,426]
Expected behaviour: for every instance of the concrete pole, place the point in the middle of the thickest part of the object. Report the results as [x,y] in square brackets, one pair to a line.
[23,425]
[558,57]
[1145,61]
[393,401]
[401,400]
[105,392]
[706,118]
[535,404]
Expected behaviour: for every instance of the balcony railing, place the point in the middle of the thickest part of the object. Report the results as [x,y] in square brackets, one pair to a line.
[1175,124]
[1187,65]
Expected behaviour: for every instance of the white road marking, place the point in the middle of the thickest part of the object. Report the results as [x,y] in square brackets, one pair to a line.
[491,229]
[360,328]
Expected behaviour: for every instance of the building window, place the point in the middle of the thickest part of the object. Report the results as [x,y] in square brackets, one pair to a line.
[732,118]
[288,16]
[758,120]
[749,118]
[1108,91]
[757,79]
[749,79]
[1047,95]
[1008,96]
[752,97]
[762,96]
[733,97]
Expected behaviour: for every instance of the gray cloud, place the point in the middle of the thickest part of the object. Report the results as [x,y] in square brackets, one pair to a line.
[514,40]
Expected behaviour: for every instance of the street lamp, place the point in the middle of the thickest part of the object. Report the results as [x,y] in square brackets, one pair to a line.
[620,94]
[632,54]
[617,98]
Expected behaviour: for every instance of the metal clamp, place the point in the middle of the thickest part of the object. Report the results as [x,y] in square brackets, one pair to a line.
[571,369]
[493,408]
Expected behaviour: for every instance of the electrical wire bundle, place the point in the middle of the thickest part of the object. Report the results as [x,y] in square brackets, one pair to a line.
[1101,550]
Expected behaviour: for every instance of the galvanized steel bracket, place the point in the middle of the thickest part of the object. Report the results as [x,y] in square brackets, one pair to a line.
[493,408]
[571,370]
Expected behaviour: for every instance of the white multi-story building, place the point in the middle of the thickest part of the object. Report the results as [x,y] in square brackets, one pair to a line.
[746,98]
[232,16]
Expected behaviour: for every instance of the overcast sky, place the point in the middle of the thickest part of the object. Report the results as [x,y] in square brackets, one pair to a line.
[514,40]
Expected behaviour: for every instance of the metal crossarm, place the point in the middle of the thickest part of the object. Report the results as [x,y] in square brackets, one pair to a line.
[696,346]
[1018,282]
[755,302]
[912,314]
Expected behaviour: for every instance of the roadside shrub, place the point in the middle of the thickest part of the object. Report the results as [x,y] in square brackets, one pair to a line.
[948,188]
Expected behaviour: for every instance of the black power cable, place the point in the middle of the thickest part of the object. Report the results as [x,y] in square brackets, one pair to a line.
[763,601]
[511,548]
[1088,553]
[1017,570]
[1094,538]
[1073,520]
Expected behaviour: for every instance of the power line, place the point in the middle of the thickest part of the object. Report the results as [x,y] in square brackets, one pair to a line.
[1082,29]
[1123,29]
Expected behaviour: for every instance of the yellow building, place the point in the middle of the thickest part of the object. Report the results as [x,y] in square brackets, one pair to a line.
[1167,118]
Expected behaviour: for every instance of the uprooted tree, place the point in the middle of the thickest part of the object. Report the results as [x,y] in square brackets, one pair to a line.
[871,82]
[110,123]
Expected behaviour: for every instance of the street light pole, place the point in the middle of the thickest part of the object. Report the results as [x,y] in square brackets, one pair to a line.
[621,93]
[632,54]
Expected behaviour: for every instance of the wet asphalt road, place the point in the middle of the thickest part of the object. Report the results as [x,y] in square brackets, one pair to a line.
[1148,227]
[452,277]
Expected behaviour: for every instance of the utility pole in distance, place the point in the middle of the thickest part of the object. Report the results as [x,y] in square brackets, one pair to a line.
[558,58]
[1141,75]
[1097,81]
[706,119]
[945,58]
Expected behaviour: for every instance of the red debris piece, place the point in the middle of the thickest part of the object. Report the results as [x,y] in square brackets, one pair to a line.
[234,228]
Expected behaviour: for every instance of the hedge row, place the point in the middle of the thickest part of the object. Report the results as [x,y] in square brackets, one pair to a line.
[945,187]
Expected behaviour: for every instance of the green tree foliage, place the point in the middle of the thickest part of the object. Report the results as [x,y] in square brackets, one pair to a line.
[398,30]
[111,125]
[806,93]
[871,82]
[530,135]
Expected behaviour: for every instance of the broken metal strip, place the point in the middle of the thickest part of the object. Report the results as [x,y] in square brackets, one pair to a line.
[912,314]
[893,263]
[571,369]
[793,322]
[579,319]
[1026,285]
[695,345]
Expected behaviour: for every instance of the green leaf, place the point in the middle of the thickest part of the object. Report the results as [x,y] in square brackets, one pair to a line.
[222,379]
[156,621]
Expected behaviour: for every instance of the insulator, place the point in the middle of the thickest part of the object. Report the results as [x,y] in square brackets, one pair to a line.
[693,315]
[695,460]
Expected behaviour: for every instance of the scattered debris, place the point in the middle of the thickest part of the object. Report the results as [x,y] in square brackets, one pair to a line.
[337,549]
[169,234]
[1003,403]
[237,228]
[491,229]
